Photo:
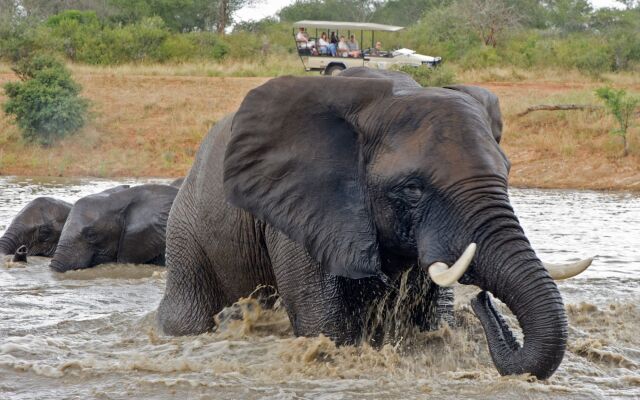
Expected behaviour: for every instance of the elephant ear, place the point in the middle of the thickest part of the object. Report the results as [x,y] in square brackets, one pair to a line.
[144,224]
[490,103]
[294,161]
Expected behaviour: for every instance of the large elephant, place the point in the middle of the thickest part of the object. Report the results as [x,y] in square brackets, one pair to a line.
[330,189]
[177,182]
[123,226]
[37,227]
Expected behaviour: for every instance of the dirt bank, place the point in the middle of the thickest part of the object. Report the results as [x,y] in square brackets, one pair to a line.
[152,125]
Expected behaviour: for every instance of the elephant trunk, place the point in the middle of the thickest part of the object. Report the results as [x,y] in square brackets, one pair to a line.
[69,256]
[506,265]
[8,244]
[527,289]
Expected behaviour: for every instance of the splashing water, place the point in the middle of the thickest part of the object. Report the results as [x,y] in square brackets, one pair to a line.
[92,333]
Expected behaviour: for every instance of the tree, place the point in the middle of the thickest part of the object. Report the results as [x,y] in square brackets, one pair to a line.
[330,10]
[405,12]
[46,103]
[178,15]
[488,18]
[623,107]
[226,9]
[532,13]
[629,4]
[569,15]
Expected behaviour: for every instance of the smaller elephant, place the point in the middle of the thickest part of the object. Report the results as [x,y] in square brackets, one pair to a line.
[37,228]
[121,226]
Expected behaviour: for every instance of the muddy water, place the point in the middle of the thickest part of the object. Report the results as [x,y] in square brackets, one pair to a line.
[91,334]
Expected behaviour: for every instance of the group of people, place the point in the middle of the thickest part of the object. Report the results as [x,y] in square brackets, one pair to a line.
[325,46]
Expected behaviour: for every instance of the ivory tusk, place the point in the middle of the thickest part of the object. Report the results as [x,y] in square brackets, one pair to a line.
[564,271]
[442,275]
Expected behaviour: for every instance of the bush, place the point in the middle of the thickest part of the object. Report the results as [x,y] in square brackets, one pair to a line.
[427,76]
[480,57]
[46,103]
[622,106]
[220,50]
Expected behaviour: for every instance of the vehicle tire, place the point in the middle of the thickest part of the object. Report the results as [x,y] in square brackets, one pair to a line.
[334,70]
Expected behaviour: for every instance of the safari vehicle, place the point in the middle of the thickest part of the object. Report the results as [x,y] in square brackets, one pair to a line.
[316,58]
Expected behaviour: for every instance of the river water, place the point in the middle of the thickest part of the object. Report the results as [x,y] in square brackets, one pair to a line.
[91,334]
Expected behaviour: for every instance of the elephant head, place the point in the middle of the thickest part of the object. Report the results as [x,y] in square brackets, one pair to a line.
[371,182]
[124,225]
[37,227]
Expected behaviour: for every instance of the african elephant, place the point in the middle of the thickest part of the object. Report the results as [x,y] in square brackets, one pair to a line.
[330,189]
[123,226]
[37,227]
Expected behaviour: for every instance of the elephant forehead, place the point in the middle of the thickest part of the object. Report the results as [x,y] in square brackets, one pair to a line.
[442,157]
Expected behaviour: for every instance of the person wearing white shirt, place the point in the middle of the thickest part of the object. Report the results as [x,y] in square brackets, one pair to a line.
[325,46]
[303,39]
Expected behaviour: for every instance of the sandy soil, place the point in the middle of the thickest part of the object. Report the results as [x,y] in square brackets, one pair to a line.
[152,126]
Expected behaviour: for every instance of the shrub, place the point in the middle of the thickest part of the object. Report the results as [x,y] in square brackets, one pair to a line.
[622,106]
[18,39]
[177,48]
[427,76]
[46,102]
[480,57]
[220,50]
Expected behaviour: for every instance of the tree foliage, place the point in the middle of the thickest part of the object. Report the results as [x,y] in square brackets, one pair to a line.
[622,107]
[329,10]
[46,102]
[489,19]
[473,34]
[405,12]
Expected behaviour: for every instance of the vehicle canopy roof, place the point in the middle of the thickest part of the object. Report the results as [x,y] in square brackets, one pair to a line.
[353,26]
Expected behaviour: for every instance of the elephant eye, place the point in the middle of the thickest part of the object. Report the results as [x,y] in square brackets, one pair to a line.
[412,192]
[90,235]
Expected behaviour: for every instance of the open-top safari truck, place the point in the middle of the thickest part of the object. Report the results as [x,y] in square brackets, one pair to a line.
[317,53]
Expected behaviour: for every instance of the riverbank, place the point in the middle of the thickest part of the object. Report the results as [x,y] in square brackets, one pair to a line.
[149,122]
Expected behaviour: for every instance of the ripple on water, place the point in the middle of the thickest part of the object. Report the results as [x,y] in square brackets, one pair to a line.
[92,333]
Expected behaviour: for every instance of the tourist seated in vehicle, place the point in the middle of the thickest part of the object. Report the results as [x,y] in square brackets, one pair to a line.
[343,48]
[377,51]
[325,46]
[303,41]
[354,47]
[334,38]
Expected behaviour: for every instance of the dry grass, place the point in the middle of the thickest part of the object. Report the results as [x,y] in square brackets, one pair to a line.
[269,66]
[149,121]
[566,149]
[142,126]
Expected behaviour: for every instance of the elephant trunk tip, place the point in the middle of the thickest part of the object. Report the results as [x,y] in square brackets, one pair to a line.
[57,266]
[509,357]
[20,254]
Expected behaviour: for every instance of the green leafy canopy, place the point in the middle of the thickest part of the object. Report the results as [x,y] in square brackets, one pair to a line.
[46,102]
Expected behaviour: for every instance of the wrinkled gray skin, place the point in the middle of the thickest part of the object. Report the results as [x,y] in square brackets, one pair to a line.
[37,226]
[177,183]
[126,225]
[329,189]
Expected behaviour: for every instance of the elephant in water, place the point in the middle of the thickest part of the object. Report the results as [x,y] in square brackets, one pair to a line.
[35,230]
[331,189]
[123,226]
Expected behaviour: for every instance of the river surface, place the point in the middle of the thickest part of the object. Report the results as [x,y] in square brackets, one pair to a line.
[91,334]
